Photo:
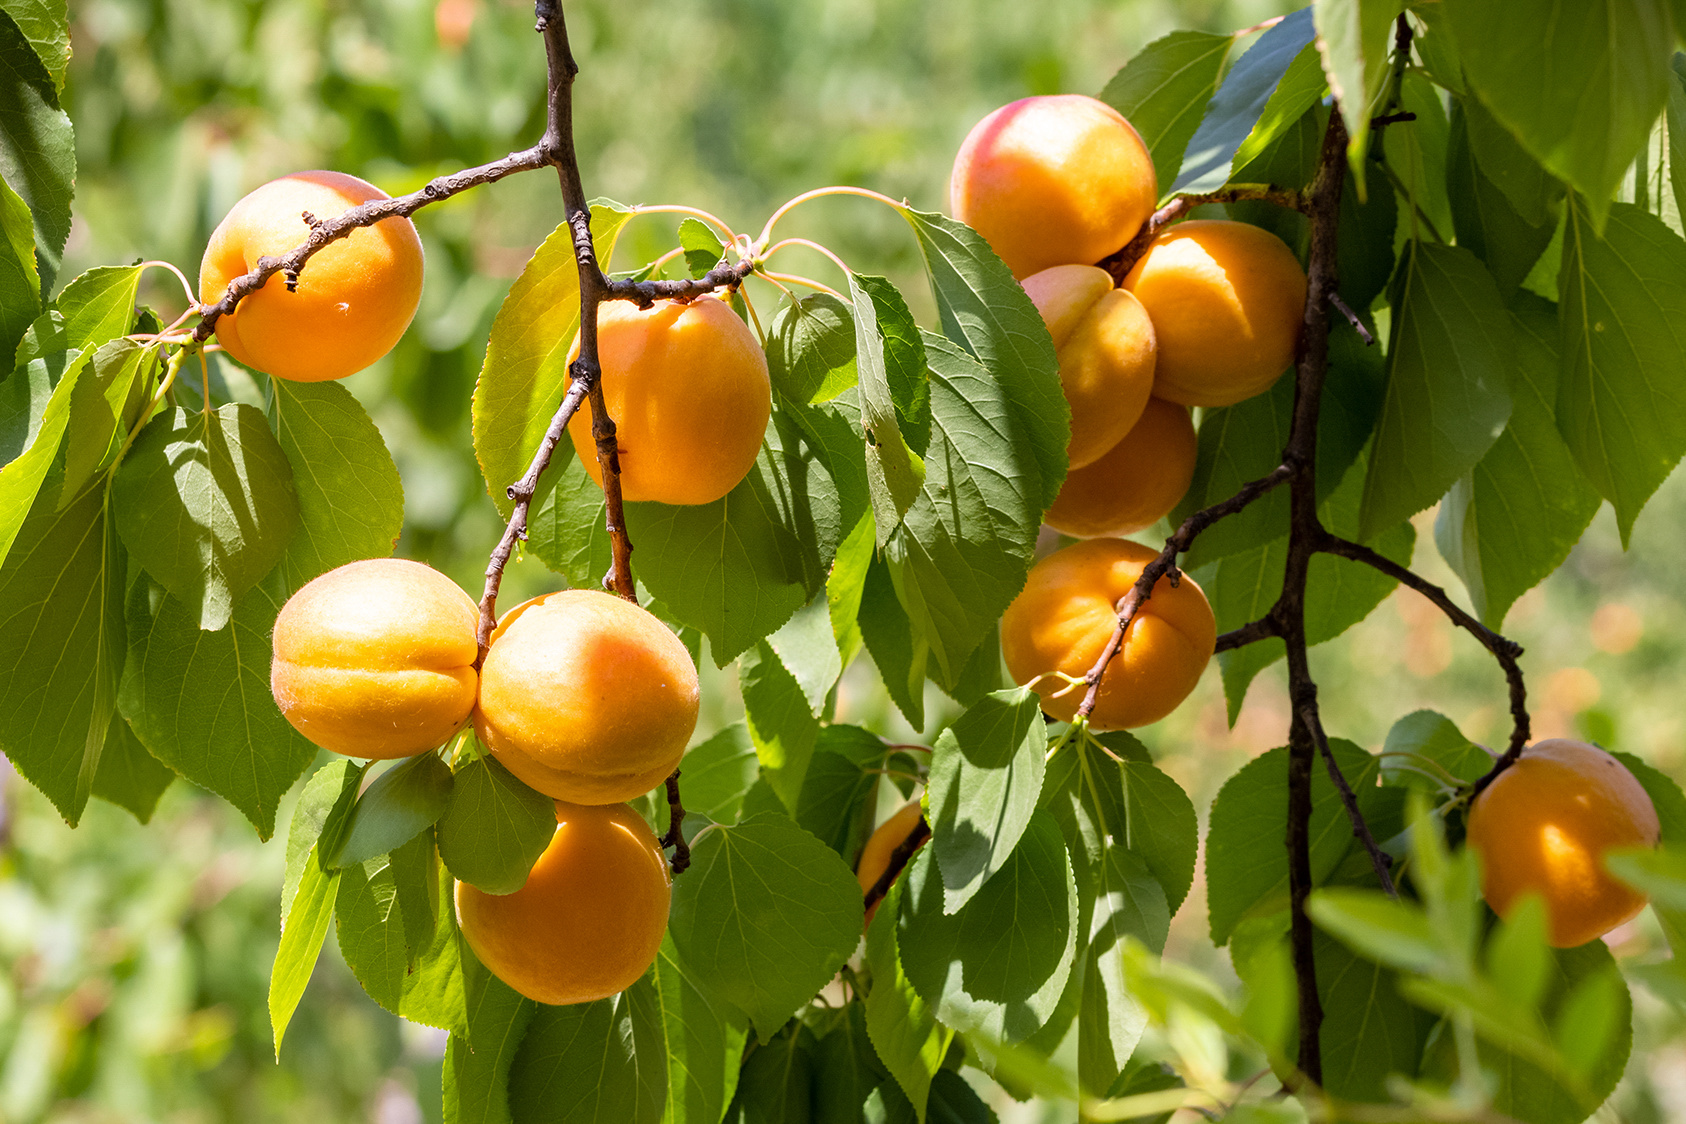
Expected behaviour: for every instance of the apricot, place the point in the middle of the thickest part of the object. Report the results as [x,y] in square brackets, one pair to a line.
[354,297]
[687,387]
[586,697]
[1226,300]
[1053,179]
[376,659]
[1062,619]
[589,920]
[1105,345]
[1134,484]
[881,844]
[1542,827]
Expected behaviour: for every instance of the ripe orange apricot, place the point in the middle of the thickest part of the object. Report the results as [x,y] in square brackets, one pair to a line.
[1543,826]
[1052,179]
[376,659]
[1135,483]
[687,387]
[354,298]
[1226,299]
[586,697]
[1066,613]
[1105,345]
[881,844]
[589,920]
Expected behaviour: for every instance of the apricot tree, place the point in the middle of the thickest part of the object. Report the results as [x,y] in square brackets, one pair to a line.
[1457,224]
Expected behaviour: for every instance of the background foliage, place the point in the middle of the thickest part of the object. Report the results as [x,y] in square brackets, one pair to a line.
[137,959]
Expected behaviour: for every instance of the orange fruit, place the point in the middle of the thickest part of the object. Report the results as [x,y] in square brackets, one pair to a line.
[1134,484]
[875,856]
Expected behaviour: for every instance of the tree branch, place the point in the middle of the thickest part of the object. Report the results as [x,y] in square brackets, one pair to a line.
[898,861]
[1379,859]
[675,836]
[1250,633]
[1120,263]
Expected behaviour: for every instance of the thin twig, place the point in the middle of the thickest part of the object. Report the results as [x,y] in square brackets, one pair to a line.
[1379,859]
[1250,633]
[898,860]
[1120,263]
[1352,318]
[675,836]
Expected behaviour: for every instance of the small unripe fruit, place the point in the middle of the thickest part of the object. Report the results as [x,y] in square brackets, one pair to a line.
[1064,617]
[376,659]
[687,387]
[1053,179]
[1227,300]
[354,297]
[1136,483]
[1543,825]
[1105,344]
[875,856]
[586,697]
[589,921]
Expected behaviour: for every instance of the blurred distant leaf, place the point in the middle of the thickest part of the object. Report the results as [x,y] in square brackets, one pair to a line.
[592,1062]
[1385,930]
[718,772]
[128,775]
[61,644]
[404,800]
[1620,406]
[20,283]
[811,349]
[206,505]
[478,1061]
[766,914]
[494,827]
[704,1040]
[902,1026]
[200,701]
[351,502]
[986,774]
[527,356]
[1236,107]
[1163,90]
[37,143]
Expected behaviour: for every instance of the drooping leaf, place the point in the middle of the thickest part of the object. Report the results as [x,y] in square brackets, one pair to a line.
[846,1069]
[1236,107]
[34,413]
[1370,1034]
[1163,90]
[1622,315]
[61,644]
[423,984]
[886,342]
[351,502]
[592,1062]
[702,1039]
[900,651]
[95,431]
[478,1061]
[777,1081]
[838,798]
[200,701]
[37,144]
[404,800]
[902,1026]
[330,787]
[20,282]
[521,382]
[1581,99]
[811,349]
[766,914]
[1417,155]
[986,775]
[1424,740]
[566,529]
[494,827]
[1485,218]
[206,505]
[308,909]
[127,774]
[1301,88]
[1448,390]
[1515,517]
[808,649]
[1355,38]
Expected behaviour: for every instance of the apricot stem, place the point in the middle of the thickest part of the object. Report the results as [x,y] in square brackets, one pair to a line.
[694,212]
[815,246]
[1120,263]
[192,297]
[819,193]
[798,279]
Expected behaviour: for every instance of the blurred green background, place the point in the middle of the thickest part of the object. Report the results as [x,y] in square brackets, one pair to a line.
[134,960]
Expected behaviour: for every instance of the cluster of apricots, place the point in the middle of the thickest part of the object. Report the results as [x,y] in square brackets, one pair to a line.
[587,698]
[1208,316]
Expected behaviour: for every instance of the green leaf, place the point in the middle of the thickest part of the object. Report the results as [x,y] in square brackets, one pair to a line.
[1620,405]
[717,773]
[1289,159]
[1163,91]
[1370,1035]
[1425,739]
[738,568]
[986,775]
[522,379]
[95,434]
[37,143]
[20,283]
[351,502]
[988,313]
[567,529]
[902,1026]
[1514,518]
[811,349]
[885,341]
[330,792]
[963,548]
[34,432]
[1665,795]
[477,1063]
[1417,155]
[99,305]
[200,701]
[1128,902]
[61,644]
[1246,865]
[1485,219]
[1355,38]
[494,827]
[127,774]
[807,648]
[1302,87]
[979,975]
[420,887]
[766,914]
[781,726]
[423,984]
[46,24]
[1448,395]
[405,800]
[594,1062]
[838,798]
[1534,193]
[899,650]
[703,248]
[777,1083]
[703,1041]
[1239,102]
[846,1069]
[1581,98]
[206,505]
[301,940]
[1676,123]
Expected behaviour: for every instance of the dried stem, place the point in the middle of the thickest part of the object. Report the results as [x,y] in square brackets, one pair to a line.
[898,861]
[1120,264]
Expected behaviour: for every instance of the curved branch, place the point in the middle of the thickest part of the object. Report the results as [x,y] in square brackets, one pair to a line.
[1120,263]
[1379,859]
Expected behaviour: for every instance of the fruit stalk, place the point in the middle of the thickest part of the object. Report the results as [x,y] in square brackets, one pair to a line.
[1120,264]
